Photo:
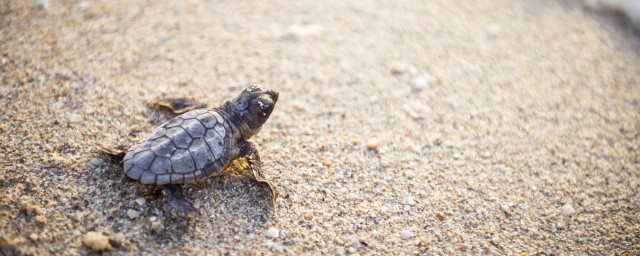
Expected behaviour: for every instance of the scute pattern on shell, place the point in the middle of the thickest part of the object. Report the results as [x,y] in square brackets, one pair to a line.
[185,149]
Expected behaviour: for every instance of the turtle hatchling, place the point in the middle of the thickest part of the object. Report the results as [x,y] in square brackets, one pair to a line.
[199,144]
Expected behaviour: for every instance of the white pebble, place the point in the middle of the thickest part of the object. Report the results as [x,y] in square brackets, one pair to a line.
[298,31]
[406,234]
[495,240]
[412,70]
[73,117]
[140,201]
[409,200]
[303,30]
[273,233]
[568,210]
[42,3]
[421,82]
[133,213]
[493,30]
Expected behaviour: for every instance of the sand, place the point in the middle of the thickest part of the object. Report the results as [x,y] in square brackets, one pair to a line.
[413,127]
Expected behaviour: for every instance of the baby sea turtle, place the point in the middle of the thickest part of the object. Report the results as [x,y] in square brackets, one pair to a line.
[199,144]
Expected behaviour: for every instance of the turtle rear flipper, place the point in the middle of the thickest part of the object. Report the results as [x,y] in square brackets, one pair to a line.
[178,105]
[175,203]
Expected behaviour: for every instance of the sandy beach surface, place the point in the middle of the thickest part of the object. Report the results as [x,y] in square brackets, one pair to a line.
[494,127]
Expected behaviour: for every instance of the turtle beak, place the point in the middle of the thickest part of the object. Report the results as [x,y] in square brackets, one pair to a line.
[273,94]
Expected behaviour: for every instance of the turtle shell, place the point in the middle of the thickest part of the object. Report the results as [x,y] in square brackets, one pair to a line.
[187,148]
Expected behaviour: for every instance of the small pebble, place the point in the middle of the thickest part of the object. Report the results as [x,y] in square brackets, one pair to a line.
[417,110]
[41,219]
[140,201]
[42,3]
[96,241]
[424,242]
[568,210]
[31,208]
[398,69]
[386,162]
[273,233]
[304,30]
[327,163]
[506,209]
[298,31]
[275,246]
[157,226]
[96,161]
[419,83]
[493,30]
[73,118]
[409,200]
[464,247]
[440,215]
[406,234]
[133,213]
[364,241]
[307,215]
[373,144]
[117,240]
[136,128]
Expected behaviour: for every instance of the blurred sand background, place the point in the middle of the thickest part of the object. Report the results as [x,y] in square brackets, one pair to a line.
[403,127]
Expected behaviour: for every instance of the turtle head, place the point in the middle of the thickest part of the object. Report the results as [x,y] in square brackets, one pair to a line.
[253,107]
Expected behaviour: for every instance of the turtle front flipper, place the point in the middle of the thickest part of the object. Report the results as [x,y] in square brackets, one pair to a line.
[253,158]
[175,204]
[178,105]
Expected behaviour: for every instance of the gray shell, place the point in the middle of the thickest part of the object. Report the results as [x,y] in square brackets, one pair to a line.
[188,148]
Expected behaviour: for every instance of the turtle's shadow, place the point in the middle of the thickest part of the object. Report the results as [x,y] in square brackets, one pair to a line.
[233,198]
[226,202]
[620,23]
